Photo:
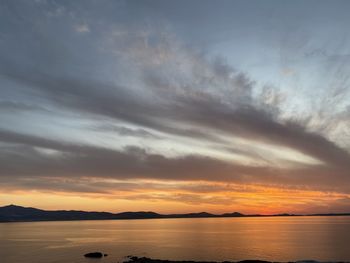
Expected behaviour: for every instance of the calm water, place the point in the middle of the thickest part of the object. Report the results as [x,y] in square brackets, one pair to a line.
[275,238]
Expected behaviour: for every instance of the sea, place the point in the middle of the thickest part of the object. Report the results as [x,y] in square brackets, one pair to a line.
[321,238]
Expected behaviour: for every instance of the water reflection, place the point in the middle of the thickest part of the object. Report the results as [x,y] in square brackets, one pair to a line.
[273,238]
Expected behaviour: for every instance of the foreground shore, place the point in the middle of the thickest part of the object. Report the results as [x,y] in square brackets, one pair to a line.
[134,259]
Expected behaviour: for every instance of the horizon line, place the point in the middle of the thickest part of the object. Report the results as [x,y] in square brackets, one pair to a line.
[186,213]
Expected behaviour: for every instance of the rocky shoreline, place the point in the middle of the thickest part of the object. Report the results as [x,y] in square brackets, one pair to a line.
[135,259]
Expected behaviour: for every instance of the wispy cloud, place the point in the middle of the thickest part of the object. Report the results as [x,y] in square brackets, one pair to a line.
[150,103]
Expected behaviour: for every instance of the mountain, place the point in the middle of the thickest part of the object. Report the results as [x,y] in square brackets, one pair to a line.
[191,215]
[14,213]
[234,214]
[18,213]
[137,215]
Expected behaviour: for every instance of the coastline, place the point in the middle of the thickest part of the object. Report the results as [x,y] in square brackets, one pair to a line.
[135,259]
[14,213]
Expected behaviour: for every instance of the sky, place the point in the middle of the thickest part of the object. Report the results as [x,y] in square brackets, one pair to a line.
[175,106]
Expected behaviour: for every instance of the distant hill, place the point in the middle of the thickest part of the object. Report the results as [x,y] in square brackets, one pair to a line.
[14,213]
[18,213]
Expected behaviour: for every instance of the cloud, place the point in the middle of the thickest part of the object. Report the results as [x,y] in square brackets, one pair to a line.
[189,109]
[67,160]
[160,89]
[12,106]
[82,28]
[215,117]
[125,131]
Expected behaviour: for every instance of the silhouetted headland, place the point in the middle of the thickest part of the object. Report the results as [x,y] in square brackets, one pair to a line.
[13,213]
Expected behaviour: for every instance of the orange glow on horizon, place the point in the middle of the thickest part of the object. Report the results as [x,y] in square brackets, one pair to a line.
[241,198]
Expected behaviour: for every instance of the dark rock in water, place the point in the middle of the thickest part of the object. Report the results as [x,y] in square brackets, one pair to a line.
[95,255]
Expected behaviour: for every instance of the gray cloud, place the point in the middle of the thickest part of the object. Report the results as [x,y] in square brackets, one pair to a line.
[203,110]
[75,161]
[12,106]
[125,131]
[168,88]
